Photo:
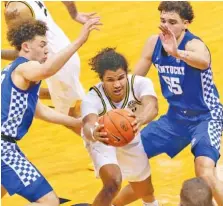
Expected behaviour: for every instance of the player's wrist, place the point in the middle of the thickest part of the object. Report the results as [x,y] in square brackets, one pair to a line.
[181,54]
[92,129]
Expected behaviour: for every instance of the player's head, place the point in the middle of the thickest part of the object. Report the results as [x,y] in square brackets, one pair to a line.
[112,69]
[195,192]
[176,15]
[29,38]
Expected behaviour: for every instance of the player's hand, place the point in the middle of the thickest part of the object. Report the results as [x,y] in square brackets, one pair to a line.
[92,24]
[137,123]
[99,135]
[168,40]
[82,18]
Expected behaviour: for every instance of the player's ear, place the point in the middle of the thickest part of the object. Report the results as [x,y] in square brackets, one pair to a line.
[25,47]
[186,24]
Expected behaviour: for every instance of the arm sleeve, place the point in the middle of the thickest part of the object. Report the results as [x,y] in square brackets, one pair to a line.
[91,104]
[143,86]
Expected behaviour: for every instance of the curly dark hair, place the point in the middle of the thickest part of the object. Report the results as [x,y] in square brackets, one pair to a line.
[108,59]
[183,8]
[25,31]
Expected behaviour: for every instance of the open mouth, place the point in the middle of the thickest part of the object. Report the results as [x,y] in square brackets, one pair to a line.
[117,92]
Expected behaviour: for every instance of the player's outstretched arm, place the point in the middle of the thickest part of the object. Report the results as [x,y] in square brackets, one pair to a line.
[195,54]
[34,71]
[144,64]
[50,115]
[78,16]
[9,54]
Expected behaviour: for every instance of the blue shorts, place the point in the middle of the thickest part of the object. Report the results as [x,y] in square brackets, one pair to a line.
[170,136]
[19,176]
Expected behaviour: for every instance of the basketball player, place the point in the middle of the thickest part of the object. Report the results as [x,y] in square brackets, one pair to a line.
[195,114]
[195,192]
[20,82]
[117,89]
[64,87]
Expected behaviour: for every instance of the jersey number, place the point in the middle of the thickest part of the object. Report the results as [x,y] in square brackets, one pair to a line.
[41,6]
[173,84]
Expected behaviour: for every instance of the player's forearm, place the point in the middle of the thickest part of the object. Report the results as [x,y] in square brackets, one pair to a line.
[88,131]
[150,112]
[193,59]
[71,8]
[56,62]
[50,115]
[8,54]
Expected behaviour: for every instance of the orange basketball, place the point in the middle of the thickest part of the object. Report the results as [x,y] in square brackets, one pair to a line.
[118,126]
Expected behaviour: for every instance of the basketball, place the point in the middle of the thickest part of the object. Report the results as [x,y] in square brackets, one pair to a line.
[118,126]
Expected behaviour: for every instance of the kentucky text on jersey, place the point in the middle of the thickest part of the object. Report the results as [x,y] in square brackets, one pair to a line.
[170,69]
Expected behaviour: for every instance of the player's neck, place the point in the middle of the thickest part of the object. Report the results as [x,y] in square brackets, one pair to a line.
[180,38]
[25,55]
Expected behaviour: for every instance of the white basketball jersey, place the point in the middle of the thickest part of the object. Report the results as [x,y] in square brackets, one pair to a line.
[57,40]
[130,101]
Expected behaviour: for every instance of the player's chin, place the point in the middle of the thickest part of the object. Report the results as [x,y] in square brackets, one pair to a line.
[43,60]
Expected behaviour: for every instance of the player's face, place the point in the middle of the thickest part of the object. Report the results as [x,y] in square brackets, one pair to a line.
[173,21]
[38,49]
[114,83]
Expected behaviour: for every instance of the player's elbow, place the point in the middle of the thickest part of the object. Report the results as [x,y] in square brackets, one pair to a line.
[204,64]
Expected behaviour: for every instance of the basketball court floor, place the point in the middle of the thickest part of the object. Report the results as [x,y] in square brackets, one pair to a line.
[59,154]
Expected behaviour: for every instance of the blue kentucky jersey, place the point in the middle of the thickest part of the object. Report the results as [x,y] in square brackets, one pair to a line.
[184,86]
[18,106]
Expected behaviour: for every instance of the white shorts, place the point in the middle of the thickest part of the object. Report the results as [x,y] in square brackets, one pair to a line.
[64,87]
[131,159]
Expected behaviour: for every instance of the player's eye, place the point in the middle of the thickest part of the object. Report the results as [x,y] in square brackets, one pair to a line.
[162,21]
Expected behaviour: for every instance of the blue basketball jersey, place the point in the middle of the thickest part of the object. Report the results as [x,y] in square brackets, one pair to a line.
[18,106]
[184,86]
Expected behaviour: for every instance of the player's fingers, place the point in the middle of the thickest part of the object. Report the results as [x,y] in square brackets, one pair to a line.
[136,128]
[92,13]
[131,114]
[92,21]
[103,140]
[161,28]
[102,134]
[94,28]
[99,127]
[164,28]
[135,122]
[164,31]
[161,36]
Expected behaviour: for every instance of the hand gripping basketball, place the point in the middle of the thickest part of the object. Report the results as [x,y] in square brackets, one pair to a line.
[118,126]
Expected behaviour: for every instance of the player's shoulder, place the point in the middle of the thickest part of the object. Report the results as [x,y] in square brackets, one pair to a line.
[137,80]
[193,43]
[94,92]
[150,46]
[152,40]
